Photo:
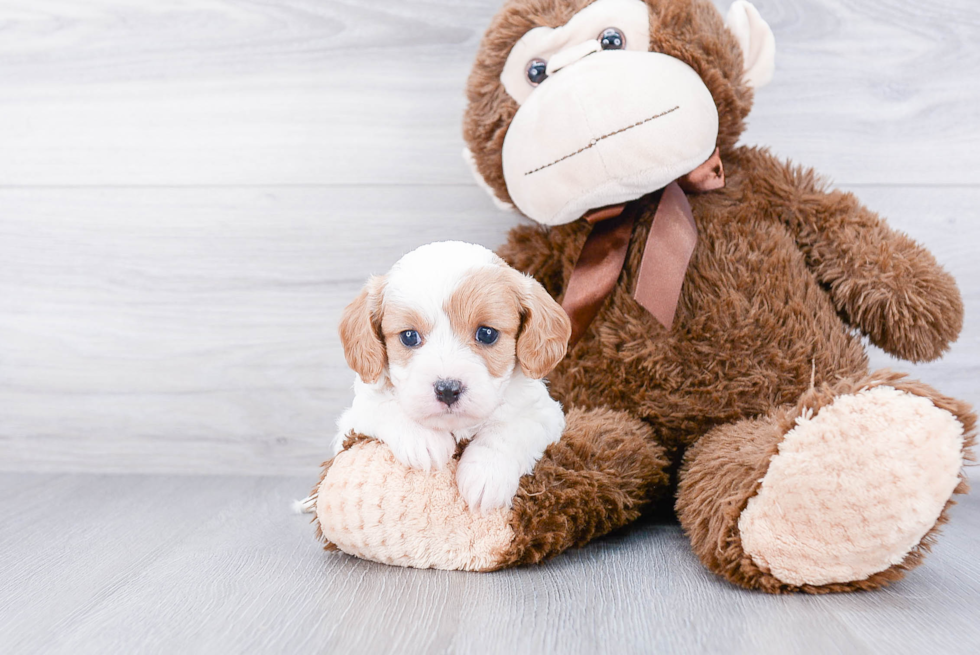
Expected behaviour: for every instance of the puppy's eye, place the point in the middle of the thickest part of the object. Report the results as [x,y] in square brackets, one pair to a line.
[486,335]
[537,71]
[410,338]
[612,39]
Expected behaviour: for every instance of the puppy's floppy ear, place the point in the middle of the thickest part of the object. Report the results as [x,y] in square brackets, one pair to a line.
[360,332]
[545,330]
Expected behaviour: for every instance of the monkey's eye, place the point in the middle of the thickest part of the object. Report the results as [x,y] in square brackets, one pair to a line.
[612,39]
[410,338]
[486,335]
[537,71]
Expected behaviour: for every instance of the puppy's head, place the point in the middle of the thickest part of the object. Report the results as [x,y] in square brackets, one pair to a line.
[448,327]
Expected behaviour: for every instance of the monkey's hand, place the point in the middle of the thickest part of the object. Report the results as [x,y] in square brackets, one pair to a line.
[881,281]
[893,290]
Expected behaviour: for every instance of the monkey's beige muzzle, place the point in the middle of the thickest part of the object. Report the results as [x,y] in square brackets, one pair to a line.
[606,129]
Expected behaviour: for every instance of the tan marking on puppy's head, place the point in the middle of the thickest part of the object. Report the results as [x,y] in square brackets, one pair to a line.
[360,332]
[532,327]
[488,297]
[398,318]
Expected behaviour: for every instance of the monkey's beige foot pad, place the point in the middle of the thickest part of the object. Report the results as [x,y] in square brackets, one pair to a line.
[597,478]
[854,489]
[371,506]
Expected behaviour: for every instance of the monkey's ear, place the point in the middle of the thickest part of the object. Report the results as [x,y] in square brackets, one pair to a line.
[480,182]
[756,40]
[360,332]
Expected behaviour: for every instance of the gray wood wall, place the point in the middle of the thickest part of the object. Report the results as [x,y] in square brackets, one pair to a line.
[190,193]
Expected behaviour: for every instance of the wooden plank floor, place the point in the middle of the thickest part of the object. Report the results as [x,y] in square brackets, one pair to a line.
[168,564]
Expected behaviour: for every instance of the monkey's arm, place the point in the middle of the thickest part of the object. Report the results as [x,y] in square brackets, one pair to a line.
[880,280]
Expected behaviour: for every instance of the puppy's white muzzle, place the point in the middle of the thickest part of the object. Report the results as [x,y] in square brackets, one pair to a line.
[605,129]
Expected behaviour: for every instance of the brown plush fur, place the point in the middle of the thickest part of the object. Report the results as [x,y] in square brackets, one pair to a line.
[785,278]
[599,477]
[759,311]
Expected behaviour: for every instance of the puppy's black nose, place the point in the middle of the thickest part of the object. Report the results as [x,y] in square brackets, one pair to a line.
[448,391]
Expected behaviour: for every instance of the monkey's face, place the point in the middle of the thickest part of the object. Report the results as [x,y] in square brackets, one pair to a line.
[604,103]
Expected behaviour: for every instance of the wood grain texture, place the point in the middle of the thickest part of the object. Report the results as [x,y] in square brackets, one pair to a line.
[125,564]
[227,92]
[195,329]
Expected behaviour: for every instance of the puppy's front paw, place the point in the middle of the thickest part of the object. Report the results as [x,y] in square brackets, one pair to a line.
[421,448]
[487,479]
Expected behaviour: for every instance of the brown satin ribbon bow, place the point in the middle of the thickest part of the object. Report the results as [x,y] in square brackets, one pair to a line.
[666,254]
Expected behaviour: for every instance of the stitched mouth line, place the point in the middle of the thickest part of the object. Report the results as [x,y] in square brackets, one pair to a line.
[595,141]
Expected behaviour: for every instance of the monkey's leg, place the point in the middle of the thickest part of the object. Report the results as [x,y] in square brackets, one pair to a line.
[602,473]
[843,491]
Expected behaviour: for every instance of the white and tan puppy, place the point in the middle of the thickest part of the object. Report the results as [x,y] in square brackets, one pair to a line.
[451,345]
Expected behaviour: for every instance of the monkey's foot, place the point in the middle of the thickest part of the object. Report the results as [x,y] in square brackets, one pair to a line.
[843,491]
[604,470]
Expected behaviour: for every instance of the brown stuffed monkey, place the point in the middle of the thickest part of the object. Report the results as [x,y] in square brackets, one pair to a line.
[718,298]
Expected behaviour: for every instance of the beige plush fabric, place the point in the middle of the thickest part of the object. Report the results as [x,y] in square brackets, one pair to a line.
[756,40]
[434,528]
[853,489]
[631,17]
[568,151]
